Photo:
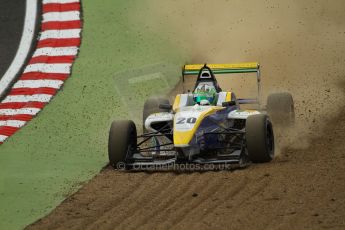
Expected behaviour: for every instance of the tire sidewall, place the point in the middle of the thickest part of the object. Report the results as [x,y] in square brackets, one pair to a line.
[122,135]
[259,138]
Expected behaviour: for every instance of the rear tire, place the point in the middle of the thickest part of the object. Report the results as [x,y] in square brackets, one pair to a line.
[152,106]
[280,108]
[122,142]
[259,138]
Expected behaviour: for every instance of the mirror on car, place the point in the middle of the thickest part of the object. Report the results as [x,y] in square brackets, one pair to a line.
[165,106]
[228,103]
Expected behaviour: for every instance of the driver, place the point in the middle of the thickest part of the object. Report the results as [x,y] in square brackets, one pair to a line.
[204,94]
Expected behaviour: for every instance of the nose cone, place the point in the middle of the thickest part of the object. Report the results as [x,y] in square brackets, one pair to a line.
[187,122]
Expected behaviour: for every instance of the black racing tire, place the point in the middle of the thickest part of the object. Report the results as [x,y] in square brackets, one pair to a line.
[122,142]
[259,138]
[152,106]
[280,108]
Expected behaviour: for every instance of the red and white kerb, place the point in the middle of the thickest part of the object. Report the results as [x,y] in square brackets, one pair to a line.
[48,68]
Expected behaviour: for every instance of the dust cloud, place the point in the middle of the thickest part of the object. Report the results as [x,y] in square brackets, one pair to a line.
[299,44]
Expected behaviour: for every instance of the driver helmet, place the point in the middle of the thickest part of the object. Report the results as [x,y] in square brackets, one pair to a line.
[204,94]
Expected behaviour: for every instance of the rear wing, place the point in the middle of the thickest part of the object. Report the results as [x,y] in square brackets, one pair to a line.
[248,67]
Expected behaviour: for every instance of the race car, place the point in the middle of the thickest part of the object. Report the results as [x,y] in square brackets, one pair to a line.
[203,126]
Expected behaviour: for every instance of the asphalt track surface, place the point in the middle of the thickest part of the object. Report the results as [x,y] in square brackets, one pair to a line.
[12,15]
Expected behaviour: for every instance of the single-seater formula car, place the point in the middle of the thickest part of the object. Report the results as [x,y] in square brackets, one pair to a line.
[203,126]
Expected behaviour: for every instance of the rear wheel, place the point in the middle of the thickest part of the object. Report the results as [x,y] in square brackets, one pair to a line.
[152,106]
[259,138]
[122,143]
[280,107]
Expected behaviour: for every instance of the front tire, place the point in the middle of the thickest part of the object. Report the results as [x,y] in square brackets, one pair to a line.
[259,138]
[122,142]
